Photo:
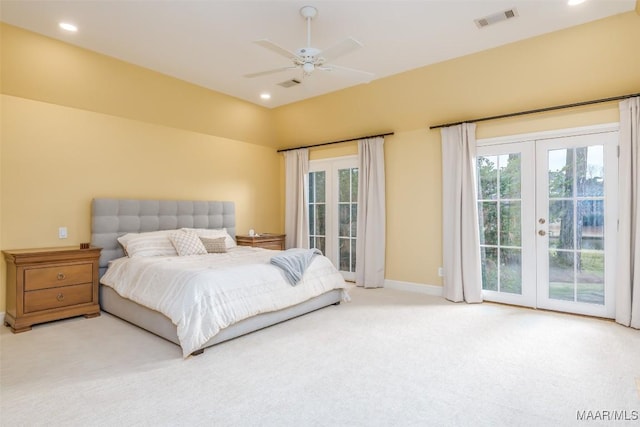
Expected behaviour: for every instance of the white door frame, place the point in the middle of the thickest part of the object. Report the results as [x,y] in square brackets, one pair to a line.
[506,144]
[610,226]
[331,167]
[528,264]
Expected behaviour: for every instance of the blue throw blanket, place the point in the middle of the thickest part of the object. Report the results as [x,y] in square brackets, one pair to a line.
[294,262]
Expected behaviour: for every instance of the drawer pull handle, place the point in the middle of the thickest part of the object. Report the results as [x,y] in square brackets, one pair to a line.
[61,276]
[60,297]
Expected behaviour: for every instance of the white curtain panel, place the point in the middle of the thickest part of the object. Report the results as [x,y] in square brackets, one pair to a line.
[628,257]
[460,231]
[296,220]
[370,245]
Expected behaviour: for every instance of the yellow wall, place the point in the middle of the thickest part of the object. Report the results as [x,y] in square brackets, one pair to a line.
[77,125]
[49,70]
[595,60]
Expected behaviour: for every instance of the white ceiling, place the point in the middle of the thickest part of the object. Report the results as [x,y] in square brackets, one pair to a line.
[209,43]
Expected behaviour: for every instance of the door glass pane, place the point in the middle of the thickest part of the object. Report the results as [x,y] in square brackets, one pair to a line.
[561,222]
[353,255]
[590,171]
[561,173]
[590,278]
[487,169]
[510,224]
[510,182]
[320,186]
[489,259]
[312,193]
[344,218]
[344,175]
[345,251]
[320,244]
[488,215]
[511,271]
[591,224]
[561,275]
[354,220]
[320,220]
[354,184]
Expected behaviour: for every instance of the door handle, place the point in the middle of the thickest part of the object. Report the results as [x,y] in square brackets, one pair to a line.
[542,233]
[542,220]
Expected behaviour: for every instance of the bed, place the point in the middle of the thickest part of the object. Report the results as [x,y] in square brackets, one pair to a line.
[113,218]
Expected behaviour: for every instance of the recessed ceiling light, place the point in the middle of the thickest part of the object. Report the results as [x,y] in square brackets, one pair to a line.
[68,27]
[265,96]
[575,2]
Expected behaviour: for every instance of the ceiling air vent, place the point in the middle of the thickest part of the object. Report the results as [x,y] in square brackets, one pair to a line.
[496,17]
[289,83]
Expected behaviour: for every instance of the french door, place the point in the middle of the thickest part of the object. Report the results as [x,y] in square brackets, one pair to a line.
[548,222]
[333,211]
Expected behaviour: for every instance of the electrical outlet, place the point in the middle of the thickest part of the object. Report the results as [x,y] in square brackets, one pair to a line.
[440,272]
[62,232]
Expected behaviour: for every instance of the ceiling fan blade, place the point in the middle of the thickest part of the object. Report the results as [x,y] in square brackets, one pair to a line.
[264,73]
[345,46]
[268,44]
[331,67]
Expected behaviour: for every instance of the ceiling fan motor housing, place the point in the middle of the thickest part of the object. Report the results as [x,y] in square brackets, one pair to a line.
[308,12]
[308,53]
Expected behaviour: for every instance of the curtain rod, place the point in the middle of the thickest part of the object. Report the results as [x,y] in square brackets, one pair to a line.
[539,110]
[335,142]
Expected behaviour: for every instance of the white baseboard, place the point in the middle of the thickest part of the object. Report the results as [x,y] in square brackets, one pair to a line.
[421,288]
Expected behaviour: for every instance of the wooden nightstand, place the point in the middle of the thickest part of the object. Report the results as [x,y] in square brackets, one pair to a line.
[266,241]
[50,284]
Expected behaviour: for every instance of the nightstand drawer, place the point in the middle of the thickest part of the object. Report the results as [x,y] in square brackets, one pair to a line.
[270,245]
[62,275]
[265,241]
[57,297]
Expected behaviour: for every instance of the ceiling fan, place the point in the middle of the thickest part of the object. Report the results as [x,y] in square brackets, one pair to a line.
[309,58]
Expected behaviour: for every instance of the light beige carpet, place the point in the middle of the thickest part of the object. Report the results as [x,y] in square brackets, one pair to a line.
[387,358]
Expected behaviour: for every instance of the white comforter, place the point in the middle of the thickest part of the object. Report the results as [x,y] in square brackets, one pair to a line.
[203,294]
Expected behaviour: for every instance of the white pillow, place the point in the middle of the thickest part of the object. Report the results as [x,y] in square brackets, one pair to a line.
[213,233]
[126,238]
[187,243]
[149,244]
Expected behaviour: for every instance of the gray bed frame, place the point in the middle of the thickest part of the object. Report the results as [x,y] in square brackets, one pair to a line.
[112,218]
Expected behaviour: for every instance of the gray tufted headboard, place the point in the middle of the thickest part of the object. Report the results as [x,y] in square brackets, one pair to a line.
[111,218]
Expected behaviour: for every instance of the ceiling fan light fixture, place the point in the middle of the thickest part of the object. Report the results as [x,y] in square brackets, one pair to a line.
[308,67]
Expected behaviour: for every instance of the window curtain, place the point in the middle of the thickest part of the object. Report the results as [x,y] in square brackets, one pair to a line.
[460,239]
[296,220]
[628,259]
[370,244]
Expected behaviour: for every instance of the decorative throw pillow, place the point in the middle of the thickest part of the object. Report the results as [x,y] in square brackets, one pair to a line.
[214,245]
[187,243]
[211,233]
